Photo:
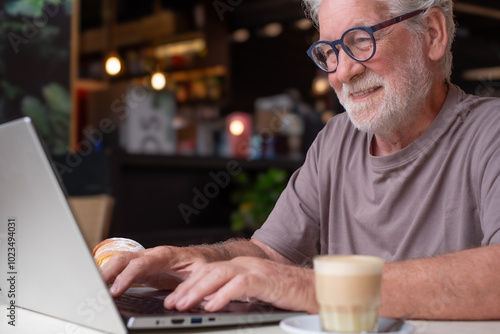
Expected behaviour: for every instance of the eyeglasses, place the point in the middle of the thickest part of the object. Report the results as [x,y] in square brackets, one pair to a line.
[358,43]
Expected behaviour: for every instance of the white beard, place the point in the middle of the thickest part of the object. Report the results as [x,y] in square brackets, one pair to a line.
[397,105]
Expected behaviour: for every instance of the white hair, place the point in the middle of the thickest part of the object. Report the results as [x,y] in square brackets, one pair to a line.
[416,26]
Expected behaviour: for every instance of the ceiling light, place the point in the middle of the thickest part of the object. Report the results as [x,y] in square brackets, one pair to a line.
[241,35]
[303,24]
[272,30]
[113,65]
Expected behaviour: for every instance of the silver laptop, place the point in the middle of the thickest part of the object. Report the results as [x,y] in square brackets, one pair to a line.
[49,268]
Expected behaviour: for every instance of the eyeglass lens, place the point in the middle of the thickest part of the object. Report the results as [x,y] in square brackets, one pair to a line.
[357,43]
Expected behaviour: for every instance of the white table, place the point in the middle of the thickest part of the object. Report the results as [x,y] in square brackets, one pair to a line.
[28,322]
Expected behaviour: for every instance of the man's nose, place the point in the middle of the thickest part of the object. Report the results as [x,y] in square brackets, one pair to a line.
[347,68]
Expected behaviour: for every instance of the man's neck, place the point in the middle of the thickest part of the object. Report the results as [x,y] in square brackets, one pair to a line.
[386,144]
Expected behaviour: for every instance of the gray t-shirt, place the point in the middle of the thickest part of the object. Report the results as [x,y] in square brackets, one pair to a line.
[438,195]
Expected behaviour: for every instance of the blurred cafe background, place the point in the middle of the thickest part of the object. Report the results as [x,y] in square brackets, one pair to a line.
[180,121]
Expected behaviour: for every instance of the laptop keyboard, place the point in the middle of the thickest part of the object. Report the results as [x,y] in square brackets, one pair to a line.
[145,305]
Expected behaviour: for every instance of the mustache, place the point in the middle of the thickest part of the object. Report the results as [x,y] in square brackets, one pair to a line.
[368,81]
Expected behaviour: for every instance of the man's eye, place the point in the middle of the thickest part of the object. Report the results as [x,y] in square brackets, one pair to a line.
[362,40]
[362,43]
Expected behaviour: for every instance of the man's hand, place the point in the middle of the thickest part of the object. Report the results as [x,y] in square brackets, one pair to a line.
[162,267]
[246,278]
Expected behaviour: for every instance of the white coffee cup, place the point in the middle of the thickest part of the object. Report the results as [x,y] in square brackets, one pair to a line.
[348,292]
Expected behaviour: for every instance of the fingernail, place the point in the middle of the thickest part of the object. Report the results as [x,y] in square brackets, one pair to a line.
[114,289]
[167,303]
[209,306]
[183,302]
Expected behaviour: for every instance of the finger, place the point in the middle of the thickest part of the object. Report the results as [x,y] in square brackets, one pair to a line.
[210,296]
[204,282]
[137,269]
[239,287]
[188,293]
[115,265]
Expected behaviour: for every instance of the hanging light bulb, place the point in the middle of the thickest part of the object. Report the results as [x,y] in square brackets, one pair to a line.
[158,81]
[238,134]
[113,65]
[236,127]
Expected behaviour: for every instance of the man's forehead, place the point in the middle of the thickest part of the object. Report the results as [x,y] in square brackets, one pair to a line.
[336,16]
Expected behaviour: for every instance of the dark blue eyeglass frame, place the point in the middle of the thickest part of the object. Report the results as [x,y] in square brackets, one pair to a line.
[369,30]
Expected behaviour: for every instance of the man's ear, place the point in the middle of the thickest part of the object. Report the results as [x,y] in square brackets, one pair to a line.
[437,34]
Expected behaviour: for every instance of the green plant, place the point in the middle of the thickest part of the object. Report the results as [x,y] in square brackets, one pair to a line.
[34,63]
[51,118]
[28,7]
[255,196]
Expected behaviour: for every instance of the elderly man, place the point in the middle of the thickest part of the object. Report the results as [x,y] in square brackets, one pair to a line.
[410,173]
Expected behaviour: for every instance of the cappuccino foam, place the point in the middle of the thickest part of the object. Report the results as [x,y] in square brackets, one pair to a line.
[348,265]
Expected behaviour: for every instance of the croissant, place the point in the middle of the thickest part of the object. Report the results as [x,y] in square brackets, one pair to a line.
[110,247]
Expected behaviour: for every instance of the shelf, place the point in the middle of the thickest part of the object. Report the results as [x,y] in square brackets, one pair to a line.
[154,30]
[196,162]
[174,75]
[91,84]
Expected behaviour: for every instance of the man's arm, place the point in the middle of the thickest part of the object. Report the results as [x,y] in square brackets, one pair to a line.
[463,285]
[230,249]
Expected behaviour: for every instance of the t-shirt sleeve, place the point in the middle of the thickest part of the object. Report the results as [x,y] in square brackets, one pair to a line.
[490,198]
[292,229]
